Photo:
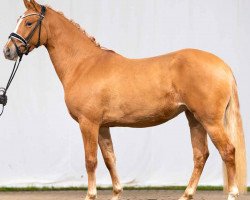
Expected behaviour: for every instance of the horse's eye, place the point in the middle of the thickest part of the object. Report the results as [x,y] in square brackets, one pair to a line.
[28,24]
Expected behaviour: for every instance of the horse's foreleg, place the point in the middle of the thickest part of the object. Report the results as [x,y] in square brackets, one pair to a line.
[105,143]
[200,151]
[90,133]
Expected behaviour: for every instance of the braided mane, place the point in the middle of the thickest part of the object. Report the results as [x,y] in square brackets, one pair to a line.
[78,27]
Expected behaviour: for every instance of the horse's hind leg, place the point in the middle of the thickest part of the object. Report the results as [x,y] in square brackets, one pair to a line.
[105,143]
[200,151]
[221,140]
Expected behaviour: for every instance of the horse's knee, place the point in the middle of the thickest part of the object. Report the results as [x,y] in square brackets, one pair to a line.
[91,164]
[201,159]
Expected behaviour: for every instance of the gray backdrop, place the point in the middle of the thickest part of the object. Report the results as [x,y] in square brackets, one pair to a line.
[41,145]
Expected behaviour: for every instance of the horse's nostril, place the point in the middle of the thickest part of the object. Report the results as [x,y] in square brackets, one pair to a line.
[7,51]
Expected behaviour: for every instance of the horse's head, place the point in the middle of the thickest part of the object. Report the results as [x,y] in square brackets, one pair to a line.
[30,31]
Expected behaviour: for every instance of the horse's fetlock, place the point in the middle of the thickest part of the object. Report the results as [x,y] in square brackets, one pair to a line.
[118,190]
[92,196]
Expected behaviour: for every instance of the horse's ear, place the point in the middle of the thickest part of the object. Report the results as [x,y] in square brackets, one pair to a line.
[27,4]
[35,5]
[32,4]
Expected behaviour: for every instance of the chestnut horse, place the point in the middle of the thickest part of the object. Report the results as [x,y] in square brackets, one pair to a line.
[104,89]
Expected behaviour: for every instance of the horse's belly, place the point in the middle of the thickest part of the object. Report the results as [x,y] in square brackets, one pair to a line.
[143,117]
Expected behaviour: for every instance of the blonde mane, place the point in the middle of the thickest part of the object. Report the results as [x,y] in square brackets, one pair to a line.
[78,27]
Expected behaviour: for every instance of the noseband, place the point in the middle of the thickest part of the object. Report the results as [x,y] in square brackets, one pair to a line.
[25,41]
[26,45]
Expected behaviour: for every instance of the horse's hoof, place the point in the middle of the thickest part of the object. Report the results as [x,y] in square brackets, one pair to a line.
[232,196]
[185,197]
[116,196]
[117,193]
[91,197]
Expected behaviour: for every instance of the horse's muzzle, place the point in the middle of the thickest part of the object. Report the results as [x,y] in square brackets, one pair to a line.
[10,52]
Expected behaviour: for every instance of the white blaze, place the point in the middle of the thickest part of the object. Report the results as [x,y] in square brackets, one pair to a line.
[18,24]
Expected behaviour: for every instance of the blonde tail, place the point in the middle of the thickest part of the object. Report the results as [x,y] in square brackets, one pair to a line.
[233,125]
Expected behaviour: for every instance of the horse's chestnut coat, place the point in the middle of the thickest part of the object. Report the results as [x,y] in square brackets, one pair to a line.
[104,89]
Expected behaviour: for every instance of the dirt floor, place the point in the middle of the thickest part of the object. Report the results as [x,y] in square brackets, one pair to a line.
[106,195]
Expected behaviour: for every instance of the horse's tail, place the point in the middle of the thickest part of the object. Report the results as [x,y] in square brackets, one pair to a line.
[233,125]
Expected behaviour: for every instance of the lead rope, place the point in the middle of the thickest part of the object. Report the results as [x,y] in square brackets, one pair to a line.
[3,91]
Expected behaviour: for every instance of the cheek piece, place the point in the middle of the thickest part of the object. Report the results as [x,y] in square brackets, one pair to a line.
[25,43]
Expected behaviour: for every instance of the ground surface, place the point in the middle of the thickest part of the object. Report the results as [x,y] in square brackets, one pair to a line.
[105,195]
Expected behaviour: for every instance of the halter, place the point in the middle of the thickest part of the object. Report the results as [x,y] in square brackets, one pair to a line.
[25,41]
[26,45]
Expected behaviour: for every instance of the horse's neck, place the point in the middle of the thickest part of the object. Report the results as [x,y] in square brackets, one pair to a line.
[68,46]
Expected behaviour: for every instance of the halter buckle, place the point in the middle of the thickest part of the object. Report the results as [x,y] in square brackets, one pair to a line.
[3,97]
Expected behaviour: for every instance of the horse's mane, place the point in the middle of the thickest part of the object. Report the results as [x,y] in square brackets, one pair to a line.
[78,27]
